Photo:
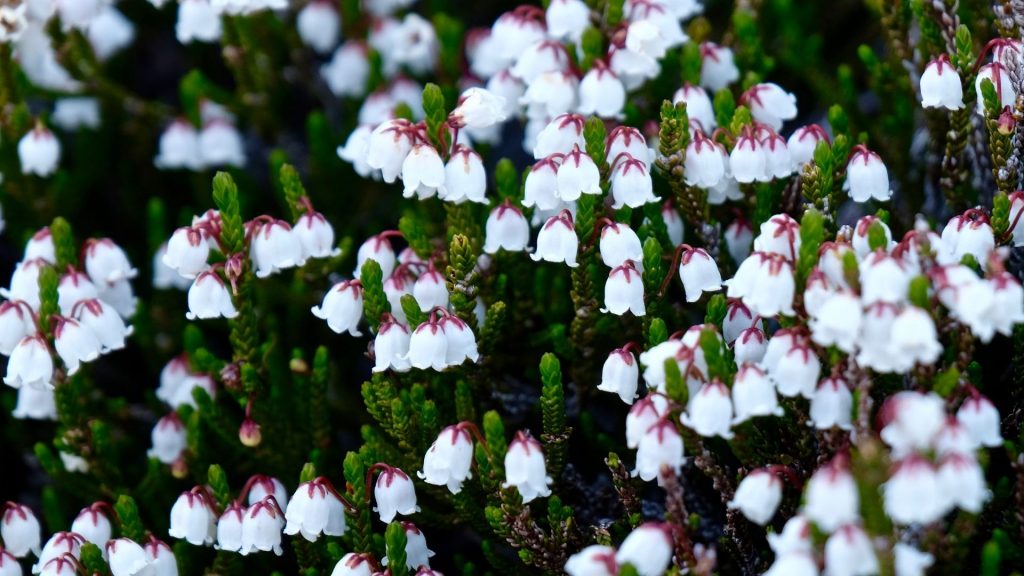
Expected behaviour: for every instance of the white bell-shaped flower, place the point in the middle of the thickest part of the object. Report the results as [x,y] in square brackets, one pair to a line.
[914,420]
[550,94]
[758,496]
[319,25]
[560,135]
[229,528]
[699,273]
[39,152]
[941,86]
[601,92]
[753,394]
[769,104]
[355,564]
[104,322]
[35,404]
[914,338]
[314,509]
[594,560]
[390,142]
[803,143]
[747,161]
[737,319]
[999,75]
[795,537]
[199,21]
[168,438]
[378,249]
[780,234]
[390,346]
[63,565]
[461,341]
[187,252]
[577,175]
[541,185]
[192,518]
[981,419]
[698,107]
[394,494]
[832,405]
[417,554]
[449,460]
[620,375]
[557,241]
[849,552]
[315,235]
[342,307]
[465,177]
[275,247]
[20,530]
[797,372]
[161,557]
[624,291]
[525,468]
[648,548]
[30,364]
[428,346]
[624,142]
[961,477]
[127,558]
[423,173]
[831,499]
[93,524]
[644,414]
[910,561]
[73,288]
[750,346]
[884,278]
[619,244]
[778,163]
[506,229]
[739,237]
[430,290]
[838,322]
[660,447]
[705,163]
[718,66]
[106,262]
[913,494]
[709,411]
[17,320]
[261,527]
[209,298]
[220,144]
[866,176]
[765,284]
[631,184]
[968,233]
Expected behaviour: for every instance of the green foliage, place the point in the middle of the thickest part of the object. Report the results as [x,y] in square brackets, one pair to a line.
[375,302]
[217,480]
[436,116]
[128,518]
[412,311]
[293,190]
[812,234]
[396,540]
[506,180]
[225,196]
[552,403]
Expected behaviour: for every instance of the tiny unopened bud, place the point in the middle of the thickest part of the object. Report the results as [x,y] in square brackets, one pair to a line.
[249,433]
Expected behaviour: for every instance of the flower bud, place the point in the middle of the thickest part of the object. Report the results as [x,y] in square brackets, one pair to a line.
[525,468]
[557,241]
[648,548]
[192,518]
[449,460]
[20,530]
[209,298]
[758,496]
[342,307]
[249,433]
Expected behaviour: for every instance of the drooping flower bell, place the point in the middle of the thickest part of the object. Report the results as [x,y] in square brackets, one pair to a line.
[104,322]
[758,496]
[127,558]
[315,508]
[394,493]
[30,364]
[449,460]
[601,91]
[93,524]
[620,374]
[60,545]
[838,322]
[416,552]
[355,564]
[981,419]
[913,420]
[648,548]
[797,371]
[660,447]
[753,394]
[709,412]
[832,405]
[106,262]
[698,272]
[430,289]
[20,530]
[866,176]
[850,552]
[315,235]
[541,185]
[342,307]
[161,557]
[39,152]
[718,66]
[769,104]
[747,161]
[261,527]
[941,86]
[428,346]
[624,291]
[168,438]
[319,25]
[831,498]
[631,184]
[465,177]
[705,164]
[229,528]
[506,229]
[209,298]
[765,283]
[391,345]
[17,320]
[187,251]
[642,416]
[193,519]
[594,560]
[423,173]
[577,175]
[998,74]
[619,244]
[803,143]
[698,107]
[461,341]
[74,343]
[557,241]
[390,142]
[525,468]
[913,495]
[560,135]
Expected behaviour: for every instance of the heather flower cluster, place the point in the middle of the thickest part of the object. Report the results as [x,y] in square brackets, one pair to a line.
[593,287]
